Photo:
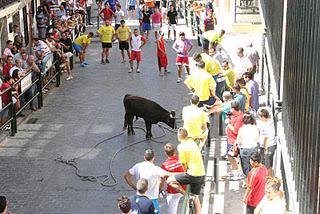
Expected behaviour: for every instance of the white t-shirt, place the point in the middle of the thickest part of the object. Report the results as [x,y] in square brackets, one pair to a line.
[241,66]
[119,16]
[248,136]
[267,130]
[276,206]
[150,172]
[136,42]
[21,71]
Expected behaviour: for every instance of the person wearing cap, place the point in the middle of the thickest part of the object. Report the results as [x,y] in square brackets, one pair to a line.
[256,182]
[191,160]
[203,85]
[195,121]
[140,203]
[106,33]
[3,205]
[148,170]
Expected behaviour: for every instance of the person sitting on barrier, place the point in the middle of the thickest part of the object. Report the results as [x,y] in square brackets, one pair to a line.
[124,205]
[195,121]
[191,160]
[211,39]
[42,53]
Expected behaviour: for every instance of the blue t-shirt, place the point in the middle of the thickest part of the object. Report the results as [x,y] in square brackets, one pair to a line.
[141,204]
[112,4]
[241,99]
[132,2]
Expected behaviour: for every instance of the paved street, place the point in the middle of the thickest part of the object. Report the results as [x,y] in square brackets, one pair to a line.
[76,116]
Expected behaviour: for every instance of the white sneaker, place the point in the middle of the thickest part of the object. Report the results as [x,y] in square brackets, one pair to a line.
[69,78]
[237,176]
[179,80]
[130,71]
[138,70]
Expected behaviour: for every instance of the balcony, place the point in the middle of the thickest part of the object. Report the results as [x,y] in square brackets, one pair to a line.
[5,3]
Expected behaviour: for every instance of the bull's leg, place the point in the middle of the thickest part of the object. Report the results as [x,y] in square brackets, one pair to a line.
[129,119]
[125,125]
[148,127]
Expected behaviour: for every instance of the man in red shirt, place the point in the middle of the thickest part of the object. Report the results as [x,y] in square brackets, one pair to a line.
[172,165]
[234,123]
[257,179]
[6,96]
[107,13]
[7,66]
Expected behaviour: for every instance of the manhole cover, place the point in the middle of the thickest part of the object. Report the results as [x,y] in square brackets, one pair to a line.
[32,121]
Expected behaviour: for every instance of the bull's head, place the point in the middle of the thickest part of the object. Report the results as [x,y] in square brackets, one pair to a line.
[172,119]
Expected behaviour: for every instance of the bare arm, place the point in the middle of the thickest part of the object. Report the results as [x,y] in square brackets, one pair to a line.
[129,179]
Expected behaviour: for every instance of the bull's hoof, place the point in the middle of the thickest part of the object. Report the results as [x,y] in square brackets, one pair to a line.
[148,136]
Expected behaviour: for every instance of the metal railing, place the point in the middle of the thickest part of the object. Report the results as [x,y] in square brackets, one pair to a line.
[186,206]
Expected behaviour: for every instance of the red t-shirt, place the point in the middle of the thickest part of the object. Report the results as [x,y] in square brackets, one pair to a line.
[257,179]
[6,69]
[236,122]
[6,95]
[107,14]
[172,165]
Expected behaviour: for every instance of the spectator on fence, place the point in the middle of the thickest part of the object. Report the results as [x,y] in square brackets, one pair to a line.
[247,141]
[229,74]
[256,181]
[67,58]
[273,202]
[268,143]
[211,39]
[22,54]
[6,97]
[124,204]
[253,90]
[140,203]
[7,66]
[242,63]
[8,50]
[239,97]
[80,45]
[42,53]
[234,122]
[195,121]
[17,66]
[172,165]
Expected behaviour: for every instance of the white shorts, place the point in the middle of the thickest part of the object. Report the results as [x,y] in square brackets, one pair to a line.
[172,27]
[157,27]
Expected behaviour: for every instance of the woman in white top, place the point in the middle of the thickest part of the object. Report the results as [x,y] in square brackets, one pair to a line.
[273,201]
[247,141]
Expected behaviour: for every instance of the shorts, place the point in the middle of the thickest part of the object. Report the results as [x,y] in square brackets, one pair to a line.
[146,26]
[106,45]
[205,43]
[267,159]
[182,60]
[116,26]
[209,102]
[172,27]
[136,55]
[195,182]
[157,27]
[123,45]
[131,7]
[77,48]
[156,206]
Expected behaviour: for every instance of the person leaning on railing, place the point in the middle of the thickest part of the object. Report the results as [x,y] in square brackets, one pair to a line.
[211,39]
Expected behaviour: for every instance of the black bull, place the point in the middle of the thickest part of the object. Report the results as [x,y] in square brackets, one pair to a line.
[150,111]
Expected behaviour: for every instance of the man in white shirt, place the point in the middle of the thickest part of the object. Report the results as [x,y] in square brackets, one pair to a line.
[149,171]
[242,63]
[136,43]
[18,66]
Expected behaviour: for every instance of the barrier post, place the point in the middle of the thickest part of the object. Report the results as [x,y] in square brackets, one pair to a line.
[39,87]
[216,174]
[58,72]
[11,110]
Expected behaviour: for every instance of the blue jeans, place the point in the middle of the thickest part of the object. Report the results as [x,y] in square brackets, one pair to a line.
[245,154]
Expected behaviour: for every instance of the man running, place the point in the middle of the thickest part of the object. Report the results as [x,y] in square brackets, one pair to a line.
[106,33]
[182,46]
[123,34]
[136,43]
[80,45]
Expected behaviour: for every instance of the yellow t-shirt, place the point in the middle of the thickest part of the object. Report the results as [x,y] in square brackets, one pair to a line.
[193,118]
[106,33]
[123,33]
[189,154]
[245,92]
[82,40]
[230,77]
[201,82]
[212,66]
[212,36]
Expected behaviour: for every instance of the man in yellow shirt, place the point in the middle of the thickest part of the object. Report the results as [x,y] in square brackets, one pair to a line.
[80,45]
[203,85]
[106,33]
[210,39]
[123,35]
[192,162]
[229,74]
[195,121]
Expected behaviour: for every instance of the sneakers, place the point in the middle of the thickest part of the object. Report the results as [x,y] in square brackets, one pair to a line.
[179,80]
[83,65]
[235,175]
[138,70]
[86,63]
[107,61]
[102,61]
[130,71]
[69,78]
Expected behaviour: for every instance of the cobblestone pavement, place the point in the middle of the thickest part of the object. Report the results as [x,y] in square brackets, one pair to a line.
[76,116]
